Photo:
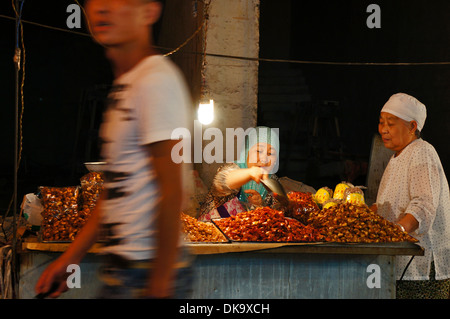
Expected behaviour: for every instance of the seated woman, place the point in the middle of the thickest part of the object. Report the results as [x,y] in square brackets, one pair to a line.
[236,186]
[414,193]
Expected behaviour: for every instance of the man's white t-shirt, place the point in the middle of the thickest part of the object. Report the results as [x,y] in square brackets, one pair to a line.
[145,105]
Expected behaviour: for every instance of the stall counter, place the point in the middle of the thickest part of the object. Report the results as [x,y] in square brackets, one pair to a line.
[253,270]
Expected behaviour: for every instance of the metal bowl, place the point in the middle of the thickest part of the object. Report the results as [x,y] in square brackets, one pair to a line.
[95,166]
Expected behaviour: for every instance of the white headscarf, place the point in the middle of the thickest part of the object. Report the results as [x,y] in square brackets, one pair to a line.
[407,108]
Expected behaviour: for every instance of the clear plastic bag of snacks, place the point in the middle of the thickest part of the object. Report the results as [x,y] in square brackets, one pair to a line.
[60,214]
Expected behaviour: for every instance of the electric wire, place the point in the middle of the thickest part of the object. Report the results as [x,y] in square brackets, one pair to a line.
[6,290]
[254,59]
[19,59]
[11,274]
[406,267]
[21,65]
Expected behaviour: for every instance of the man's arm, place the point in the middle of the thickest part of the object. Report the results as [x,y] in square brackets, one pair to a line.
[169,175]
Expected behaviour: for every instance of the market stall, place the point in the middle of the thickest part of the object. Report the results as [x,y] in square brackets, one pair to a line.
[273,256]
[325,271]
[343,250]
[255,270]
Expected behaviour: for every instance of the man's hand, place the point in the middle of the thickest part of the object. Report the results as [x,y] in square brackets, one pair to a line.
[53,278]
[56,272]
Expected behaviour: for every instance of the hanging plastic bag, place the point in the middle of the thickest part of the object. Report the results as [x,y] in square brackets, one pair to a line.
[32,209]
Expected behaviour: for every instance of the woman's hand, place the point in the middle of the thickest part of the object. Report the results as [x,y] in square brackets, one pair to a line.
[257,173]
[409,223]
[236,178]
[254,197]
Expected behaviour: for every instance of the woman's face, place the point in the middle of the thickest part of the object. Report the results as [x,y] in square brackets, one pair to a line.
[395,132]
[262,155]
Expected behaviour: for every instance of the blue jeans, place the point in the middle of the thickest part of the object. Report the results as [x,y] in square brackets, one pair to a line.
[128,280]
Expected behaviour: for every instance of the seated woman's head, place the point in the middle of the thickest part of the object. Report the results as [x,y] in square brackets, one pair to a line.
[263,155]
[261,148]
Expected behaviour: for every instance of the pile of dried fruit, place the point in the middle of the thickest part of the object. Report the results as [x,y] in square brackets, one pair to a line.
[349,223]
[91,188]
[197,231]
[61,212]
[67,209]
[266,224]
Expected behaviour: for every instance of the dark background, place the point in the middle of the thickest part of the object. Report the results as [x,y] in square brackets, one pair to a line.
[336,31]
[64,76]
[67,76]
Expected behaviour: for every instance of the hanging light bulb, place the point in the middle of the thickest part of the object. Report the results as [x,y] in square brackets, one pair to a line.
[206,112]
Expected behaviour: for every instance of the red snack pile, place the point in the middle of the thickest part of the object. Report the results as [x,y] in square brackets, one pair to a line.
[266,224]
[301,205]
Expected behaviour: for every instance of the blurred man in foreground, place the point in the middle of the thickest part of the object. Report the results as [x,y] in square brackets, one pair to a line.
[139,210]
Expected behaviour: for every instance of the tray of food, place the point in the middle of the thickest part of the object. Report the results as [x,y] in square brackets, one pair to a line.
[196,231]
[342,222]
[266,225]
[350,223]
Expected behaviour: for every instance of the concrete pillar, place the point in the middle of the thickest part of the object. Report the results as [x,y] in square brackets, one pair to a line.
[233,30]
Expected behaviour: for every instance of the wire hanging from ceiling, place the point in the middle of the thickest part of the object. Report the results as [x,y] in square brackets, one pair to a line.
[172,51]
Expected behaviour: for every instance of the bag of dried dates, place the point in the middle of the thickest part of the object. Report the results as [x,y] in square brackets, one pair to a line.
[91,188]
[61,208]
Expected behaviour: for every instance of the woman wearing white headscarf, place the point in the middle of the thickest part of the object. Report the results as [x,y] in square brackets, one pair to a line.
[414,193]
[236,186]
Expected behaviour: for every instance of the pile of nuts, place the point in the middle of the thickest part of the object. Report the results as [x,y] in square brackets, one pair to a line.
[349,223]
[66,209]
[197,231]
[266,224]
